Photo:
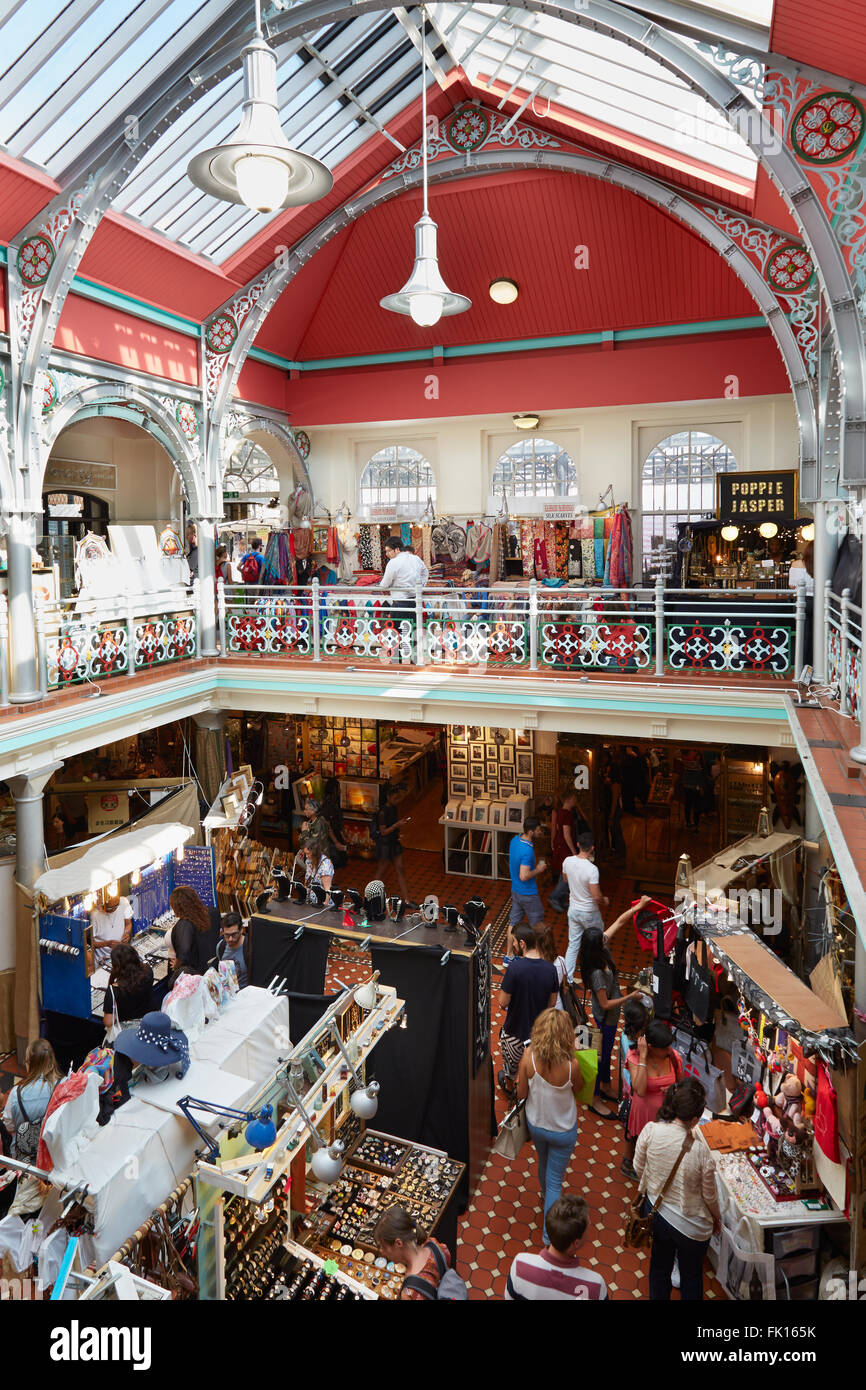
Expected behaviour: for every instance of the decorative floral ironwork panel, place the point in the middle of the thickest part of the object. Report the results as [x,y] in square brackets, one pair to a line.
[345,632]
[86,651]
[473,641]
[622,646]
[162,639]
[730,646]
[274,628]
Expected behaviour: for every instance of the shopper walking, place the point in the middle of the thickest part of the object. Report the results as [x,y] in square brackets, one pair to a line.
[529,986]
[688,1213]
[565,825]
[556,1271]
[547,950]
[549,1080]
[525,897]
[635,1017]
[654,1067]
[252,561]
[585,898]
[385,830]
[599,975]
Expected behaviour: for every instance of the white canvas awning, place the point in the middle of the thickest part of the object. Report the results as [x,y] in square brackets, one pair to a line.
[111,859]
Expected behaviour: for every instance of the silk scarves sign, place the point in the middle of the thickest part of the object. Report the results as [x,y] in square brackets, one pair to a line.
[757,497]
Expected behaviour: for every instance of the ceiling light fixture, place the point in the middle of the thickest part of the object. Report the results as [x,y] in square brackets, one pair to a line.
[257,165]
[425,297]
[503,291]
[730,533]
[768,529]
[807,533]
[526,422]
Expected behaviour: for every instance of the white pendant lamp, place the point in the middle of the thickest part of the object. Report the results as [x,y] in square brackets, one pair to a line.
[425,297]
[257,165]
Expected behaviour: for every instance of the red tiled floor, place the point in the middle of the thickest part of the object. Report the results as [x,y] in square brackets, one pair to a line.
[504,1216]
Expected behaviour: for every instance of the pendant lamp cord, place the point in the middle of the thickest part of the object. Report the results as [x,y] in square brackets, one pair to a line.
[424,102]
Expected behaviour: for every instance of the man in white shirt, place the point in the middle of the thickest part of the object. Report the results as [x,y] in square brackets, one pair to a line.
[110,923]
[585,898]
[403,573]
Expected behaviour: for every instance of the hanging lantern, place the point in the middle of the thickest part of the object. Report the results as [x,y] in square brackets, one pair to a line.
[764,823]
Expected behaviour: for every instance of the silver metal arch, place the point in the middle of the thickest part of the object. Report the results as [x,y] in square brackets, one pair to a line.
[184,459]
[556,161]
[261,424]
[606,17]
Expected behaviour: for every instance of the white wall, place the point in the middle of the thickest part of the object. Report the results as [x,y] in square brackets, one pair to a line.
[148,485]
[608,446]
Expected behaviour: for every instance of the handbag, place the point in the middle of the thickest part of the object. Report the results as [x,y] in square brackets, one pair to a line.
[639,1224]
[572,1003]
[587,1061]
[699,987]
[662,977]
[513,1132]
[698,1063]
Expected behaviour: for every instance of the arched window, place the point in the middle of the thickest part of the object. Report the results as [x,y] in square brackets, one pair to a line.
[397,475]
[678,483]
[535,468]
[249,482]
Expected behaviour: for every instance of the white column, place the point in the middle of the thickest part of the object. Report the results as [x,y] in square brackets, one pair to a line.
[858,753]
[23,681]
[27,790]
[823,562]
[204,526]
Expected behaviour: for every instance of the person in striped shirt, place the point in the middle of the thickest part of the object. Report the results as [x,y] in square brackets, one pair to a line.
[556,1272]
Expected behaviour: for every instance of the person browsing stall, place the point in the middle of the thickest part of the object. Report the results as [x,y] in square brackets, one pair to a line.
[525,897]
[404,572]
[599,975]
[318,869]
[426,1260]
[111,922]
[385,831]
[529,986]
[585,898]
[192,940]
[129,995]
[234,945]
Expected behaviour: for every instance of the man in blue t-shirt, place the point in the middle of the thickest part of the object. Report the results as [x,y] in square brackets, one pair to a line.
[525,897]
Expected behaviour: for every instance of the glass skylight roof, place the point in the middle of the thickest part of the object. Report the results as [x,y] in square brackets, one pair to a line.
[73,77]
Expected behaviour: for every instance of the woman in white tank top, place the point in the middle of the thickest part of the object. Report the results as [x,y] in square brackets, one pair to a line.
[549,1081]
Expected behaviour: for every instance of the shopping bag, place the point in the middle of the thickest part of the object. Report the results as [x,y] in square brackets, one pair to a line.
[513,1132]
[698,1063]
[700,985]
[587,1061]
[662,977]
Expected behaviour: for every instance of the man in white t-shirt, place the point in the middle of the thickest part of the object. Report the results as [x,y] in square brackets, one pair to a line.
[404,571]
[110,923]
[585,898]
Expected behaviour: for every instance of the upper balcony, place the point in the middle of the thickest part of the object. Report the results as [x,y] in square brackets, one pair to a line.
[591,654]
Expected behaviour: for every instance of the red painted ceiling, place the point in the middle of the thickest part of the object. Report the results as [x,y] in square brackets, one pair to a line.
[643,268]
[830,35]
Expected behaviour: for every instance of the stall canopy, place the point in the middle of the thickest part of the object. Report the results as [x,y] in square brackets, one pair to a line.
[111,859]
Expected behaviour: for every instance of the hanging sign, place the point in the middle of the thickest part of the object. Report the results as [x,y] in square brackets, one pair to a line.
[106,810]
[548,508]
[770,496]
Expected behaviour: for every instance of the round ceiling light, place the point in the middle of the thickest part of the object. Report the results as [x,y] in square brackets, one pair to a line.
[768,529]
[730,533]
[526,421]
[503,291]
[808,532]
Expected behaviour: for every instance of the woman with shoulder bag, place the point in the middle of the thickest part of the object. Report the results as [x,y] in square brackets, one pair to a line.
[686,1204]
[23,1114]
[549,1080]
[129,995]
[598,972]
[547,950]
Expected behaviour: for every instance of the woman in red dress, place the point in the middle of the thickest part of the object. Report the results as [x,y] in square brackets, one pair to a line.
[654,1066]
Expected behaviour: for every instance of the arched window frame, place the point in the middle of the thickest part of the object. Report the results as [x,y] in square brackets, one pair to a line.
[397,475]
[678,484]
[535,466]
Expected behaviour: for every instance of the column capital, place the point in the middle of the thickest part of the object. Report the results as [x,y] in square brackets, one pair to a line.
[29,786]
[212,719]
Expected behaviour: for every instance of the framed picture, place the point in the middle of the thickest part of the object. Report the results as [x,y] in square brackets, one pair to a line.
[506,754]
[458,786]
[492,767]
[506,776]
[476,774]
[496,814]
[477,789]
[524,738]
[502,737]
[459,755]
[492,786]
[524,764]
[525,788]
[476,753]
[475,732]
[458,733]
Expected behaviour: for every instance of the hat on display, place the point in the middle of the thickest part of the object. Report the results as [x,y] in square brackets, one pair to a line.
[154,1043]
[374,900]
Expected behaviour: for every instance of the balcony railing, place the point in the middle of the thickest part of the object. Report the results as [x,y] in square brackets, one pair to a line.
[844,637]
[657,631]
[91,640]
